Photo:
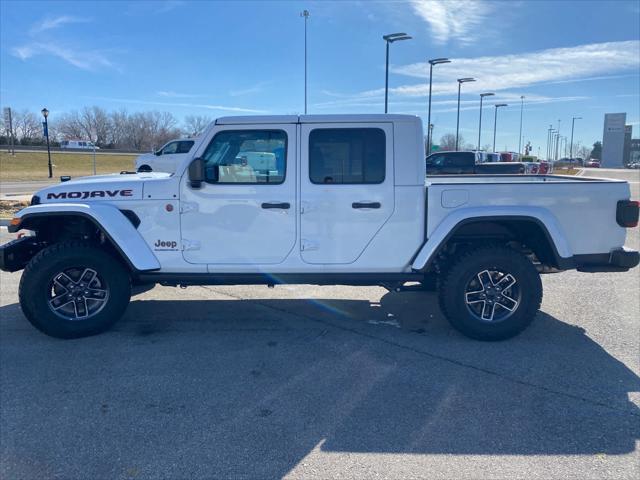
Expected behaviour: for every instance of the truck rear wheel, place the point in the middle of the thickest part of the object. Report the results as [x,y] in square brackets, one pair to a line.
[491,293]
[73,289]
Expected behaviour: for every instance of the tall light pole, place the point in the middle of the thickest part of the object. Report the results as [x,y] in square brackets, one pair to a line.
[432,62]
[573,121]
[460,82]
[305,14]
[558,141]
[495,122]
[45,114]
[520,137]
[482,95]
[392,37]
[549,132]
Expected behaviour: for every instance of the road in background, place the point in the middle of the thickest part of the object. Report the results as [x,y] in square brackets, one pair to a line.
[9,189]
[631,176]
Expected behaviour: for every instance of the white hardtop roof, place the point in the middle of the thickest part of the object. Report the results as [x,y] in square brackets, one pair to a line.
[347,118]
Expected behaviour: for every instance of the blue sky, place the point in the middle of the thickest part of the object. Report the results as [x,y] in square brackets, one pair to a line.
[568,58]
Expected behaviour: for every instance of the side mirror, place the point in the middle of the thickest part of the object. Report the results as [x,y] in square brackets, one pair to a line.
[196,172]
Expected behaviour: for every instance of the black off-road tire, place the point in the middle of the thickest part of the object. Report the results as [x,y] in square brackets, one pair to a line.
[452,293]
[37,280]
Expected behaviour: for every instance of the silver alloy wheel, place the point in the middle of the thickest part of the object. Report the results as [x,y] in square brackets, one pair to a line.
[492,295]
[77,294]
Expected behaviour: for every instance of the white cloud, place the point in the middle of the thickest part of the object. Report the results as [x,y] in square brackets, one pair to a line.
[591,62]
[50,23]
[248,91]
[454,20]
[84,59]
[222,108]
[440,106]
[169,5]
[521,70]
[172,94]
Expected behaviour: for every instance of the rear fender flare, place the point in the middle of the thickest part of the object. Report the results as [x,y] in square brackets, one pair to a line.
[542,216]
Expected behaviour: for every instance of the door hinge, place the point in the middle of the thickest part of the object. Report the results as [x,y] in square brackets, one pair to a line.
[307,245]
[190,244]
[188,207]
[305,207]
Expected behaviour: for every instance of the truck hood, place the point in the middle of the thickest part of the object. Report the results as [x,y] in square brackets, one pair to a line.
[114,187]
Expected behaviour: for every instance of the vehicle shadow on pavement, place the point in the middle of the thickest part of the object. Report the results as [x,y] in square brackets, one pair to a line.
[249,388]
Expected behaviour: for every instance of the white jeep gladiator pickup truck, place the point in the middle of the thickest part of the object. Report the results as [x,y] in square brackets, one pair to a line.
[336,199]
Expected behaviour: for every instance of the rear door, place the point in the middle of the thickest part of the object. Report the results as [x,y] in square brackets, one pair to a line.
[346,187]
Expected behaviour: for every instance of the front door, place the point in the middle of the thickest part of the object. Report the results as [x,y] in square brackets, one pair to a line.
[347,189]
[244,213]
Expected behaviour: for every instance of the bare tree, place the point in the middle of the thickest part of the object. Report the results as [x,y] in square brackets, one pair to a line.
[194,125]
[26,125]
[448,142]
[71,127]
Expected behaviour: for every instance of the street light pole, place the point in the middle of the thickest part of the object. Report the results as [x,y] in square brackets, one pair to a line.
[573,120]
[432,62]
[45,114]
[460,82]
[482,95]
[549,133]
[392,37]
[305,14]
[495,122]
[520,137]
[558,141]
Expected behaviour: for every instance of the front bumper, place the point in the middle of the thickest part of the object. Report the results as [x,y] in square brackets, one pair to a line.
[619,260]
[15,254]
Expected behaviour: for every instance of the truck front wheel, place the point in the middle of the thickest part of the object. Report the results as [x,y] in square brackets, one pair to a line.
[74,289]
[491,293]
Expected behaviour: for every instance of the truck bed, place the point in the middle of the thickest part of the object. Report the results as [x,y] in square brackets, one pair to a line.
[573,204]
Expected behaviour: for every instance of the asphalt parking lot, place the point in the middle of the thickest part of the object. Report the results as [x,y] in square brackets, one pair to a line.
[326,382]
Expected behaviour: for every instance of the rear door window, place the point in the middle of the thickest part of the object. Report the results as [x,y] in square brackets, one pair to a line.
[347,155]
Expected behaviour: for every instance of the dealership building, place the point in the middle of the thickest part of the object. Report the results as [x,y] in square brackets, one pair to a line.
[616,141]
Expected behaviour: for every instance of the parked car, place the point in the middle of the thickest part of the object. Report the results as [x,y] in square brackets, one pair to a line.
[349,206]
[456,163]
[509,156]
[591,163]
[167,158]
[79,144]
[634,166]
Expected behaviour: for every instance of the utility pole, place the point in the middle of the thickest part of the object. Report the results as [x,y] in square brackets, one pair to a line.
[432,62]
[520,137]
[305,14]
[558,141]
[573,120]
[482,95]
[495,123]
[460,82]
[392,37]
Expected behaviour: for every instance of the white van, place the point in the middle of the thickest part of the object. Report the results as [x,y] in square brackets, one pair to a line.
[80,144]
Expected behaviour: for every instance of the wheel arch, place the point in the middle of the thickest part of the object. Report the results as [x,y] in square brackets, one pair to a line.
[541,234]
[119,228]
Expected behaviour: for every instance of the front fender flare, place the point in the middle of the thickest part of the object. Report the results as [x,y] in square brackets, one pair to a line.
[451,222]
[109,219]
